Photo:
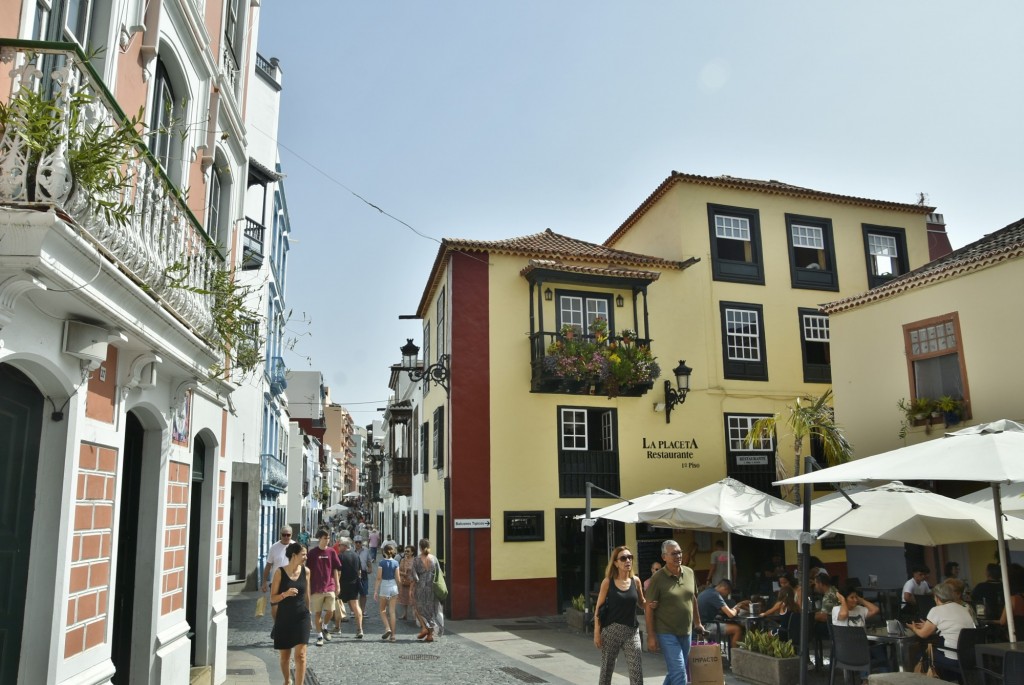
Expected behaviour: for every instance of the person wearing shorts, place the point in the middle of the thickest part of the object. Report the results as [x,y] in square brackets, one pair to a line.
[324,580]
[386,591]
[349,590]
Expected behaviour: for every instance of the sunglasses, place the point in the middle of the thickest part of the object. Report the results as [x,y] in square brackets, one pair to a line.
[286,535]
[625,557]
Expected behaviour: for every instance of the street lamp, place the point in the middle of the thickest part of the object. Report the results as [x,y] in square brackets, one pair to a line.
[677,395]
[438,373]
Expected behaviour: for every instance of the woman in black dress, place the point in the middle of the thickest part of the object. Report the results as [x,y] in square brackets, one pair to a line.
[290,592]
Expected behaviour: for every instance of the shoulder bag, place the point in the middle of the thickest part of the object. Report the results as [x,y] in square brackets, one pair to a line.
[440,587]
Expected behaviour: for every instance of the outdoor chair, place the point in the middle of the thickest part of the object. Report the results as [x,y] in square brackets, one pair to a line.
[850,650]
[967,658]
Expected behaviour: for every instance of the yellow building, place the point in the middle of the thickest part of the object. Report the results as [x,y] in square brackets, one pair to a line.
[948,329]
[725,273]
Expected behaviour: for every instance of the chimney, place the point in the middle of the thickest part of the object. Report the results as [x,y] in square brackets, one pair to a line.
[938,241]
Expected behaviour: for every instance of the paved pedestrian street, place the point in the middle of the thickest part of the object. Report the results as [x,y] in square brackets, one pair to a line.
[482,652]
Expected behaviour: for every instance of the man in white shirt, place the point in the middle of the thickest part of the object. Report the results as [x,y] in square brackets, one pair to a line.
[276,558]
[916,585]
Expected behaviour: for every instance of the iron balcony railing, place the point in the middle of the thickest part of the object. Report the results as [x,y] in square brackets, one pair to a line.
[252,244]
[162,246]
[278,375]
[273,473]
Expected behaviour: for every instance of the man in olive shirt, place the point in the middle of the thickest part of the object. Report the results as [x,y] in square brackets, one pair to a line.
[672,613]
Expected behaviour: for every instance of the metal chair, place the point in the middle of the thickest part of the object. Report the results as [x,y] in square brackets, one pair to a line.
[850,650]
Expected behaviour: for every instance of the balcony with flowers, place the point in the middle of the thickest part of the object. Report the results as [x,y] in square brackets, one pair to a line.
[596,363]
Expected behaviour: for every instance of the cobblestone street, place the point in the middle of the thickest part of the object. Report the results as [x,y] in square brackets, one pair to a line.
[498,652]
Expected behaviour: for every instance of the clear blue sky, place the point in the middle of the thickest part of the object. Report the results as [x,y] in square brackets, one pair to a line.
[487,120]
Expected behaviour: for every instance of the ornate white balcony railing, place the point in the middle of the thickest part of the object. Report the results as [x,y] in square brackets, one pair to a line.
[161,231]
[230,67]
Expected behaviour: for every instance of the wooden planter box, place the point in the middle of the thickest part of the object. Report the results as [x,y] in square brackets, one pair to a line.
[763,669]
[576,620]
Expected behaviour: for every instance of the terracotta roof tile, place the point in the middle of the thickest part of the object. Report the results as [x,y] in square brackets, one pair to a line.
[554,265]
[770,187]
[1006,243]
[546,245]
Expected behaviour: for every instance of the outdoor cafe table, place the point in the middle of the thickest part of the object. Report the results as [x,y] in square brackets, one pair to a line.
[898,646]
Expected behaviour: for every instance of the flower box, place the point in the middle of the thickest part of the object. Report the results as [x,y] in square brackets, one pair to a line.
[764,669]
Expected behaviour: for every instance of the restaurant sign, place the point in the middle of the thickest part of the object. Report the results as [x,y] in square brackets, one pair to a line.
[684,449]
[752,460]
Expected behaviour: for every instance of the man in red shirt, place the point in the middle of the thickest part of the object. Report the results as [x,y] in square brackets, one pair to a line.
[324,568]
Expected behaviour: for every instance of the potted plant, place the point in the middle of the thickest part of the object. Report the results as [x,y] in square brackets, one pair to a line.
[764,658]
[575,615]
[951,408]
[615,365]
[915,413]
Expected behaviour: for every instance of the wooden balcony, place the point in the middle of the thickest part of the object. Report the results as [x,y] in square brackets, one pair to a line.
[401,477]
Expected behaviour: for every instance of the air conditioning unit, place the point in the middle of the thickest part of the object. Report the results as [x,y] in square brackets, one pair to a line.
[86,342]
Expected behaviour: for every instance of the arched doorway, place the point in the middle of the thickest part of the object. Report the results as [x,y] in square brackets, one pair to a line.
[127,547]
[21,421]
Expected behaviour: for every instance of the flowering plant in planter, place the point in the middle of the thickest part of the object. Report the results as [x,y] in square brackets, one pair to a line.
[615,363]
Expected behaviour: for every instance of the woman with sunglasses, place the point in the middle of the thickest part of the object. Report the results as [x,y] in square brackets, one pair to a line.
[622,592]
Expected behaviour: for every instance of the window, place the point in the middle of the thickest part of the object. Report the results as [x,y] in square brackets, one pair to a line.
[214,206]
[588,450]
[580,310]
[524,526]
[439,438]
[886,253]
[815,347]
[439,318]
[735,244]
[751,464]
[743,342]
[812,257]
[425,449]
[426,354]
[935,358]
[167,137]
[77,20]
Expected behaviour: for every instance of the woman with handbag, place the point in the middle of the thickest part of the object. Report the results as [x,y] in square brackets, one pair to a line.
[423,569]
[947,618]
[615,624]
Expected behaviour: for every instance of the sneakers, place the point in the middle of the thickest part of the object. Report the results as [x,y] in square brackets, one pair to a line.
[386,635]
[320,641]
[326,634]
[359,635]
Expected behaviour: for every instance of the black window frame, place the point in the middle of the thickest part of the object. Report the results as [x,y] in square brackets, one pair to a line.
[586,295]
[814,372]
[823,278]
[744,370]
[903,263]
[425,450]
[599,466]
[537,534]
[758,476]
[438,434]
[732,270]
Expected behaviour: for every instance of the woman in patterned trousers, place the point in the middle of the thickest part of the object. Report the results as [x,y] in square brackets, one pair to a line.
[622,592]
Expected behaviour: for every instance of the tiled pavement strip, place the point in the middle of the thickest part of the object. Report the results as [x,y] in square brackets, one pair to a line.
[479,652]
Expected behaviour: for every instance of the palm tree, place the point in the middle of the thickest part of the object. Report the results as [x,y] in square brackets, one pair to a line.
[810,417]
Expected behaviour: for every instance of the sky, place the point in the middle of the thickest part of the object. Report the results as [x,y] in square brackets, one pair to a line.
[407,121]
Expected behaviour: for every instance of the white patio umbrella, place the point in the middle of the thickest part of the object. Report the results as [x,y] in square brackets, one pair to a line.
[990,453]
[626,512]
[727,505]
[1012,501]
[336,509]
[898,512]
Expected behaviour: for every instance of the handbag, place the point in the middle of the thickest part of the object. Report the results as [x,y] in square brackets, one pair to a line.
[440,587]
[706,664]
[926,665]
